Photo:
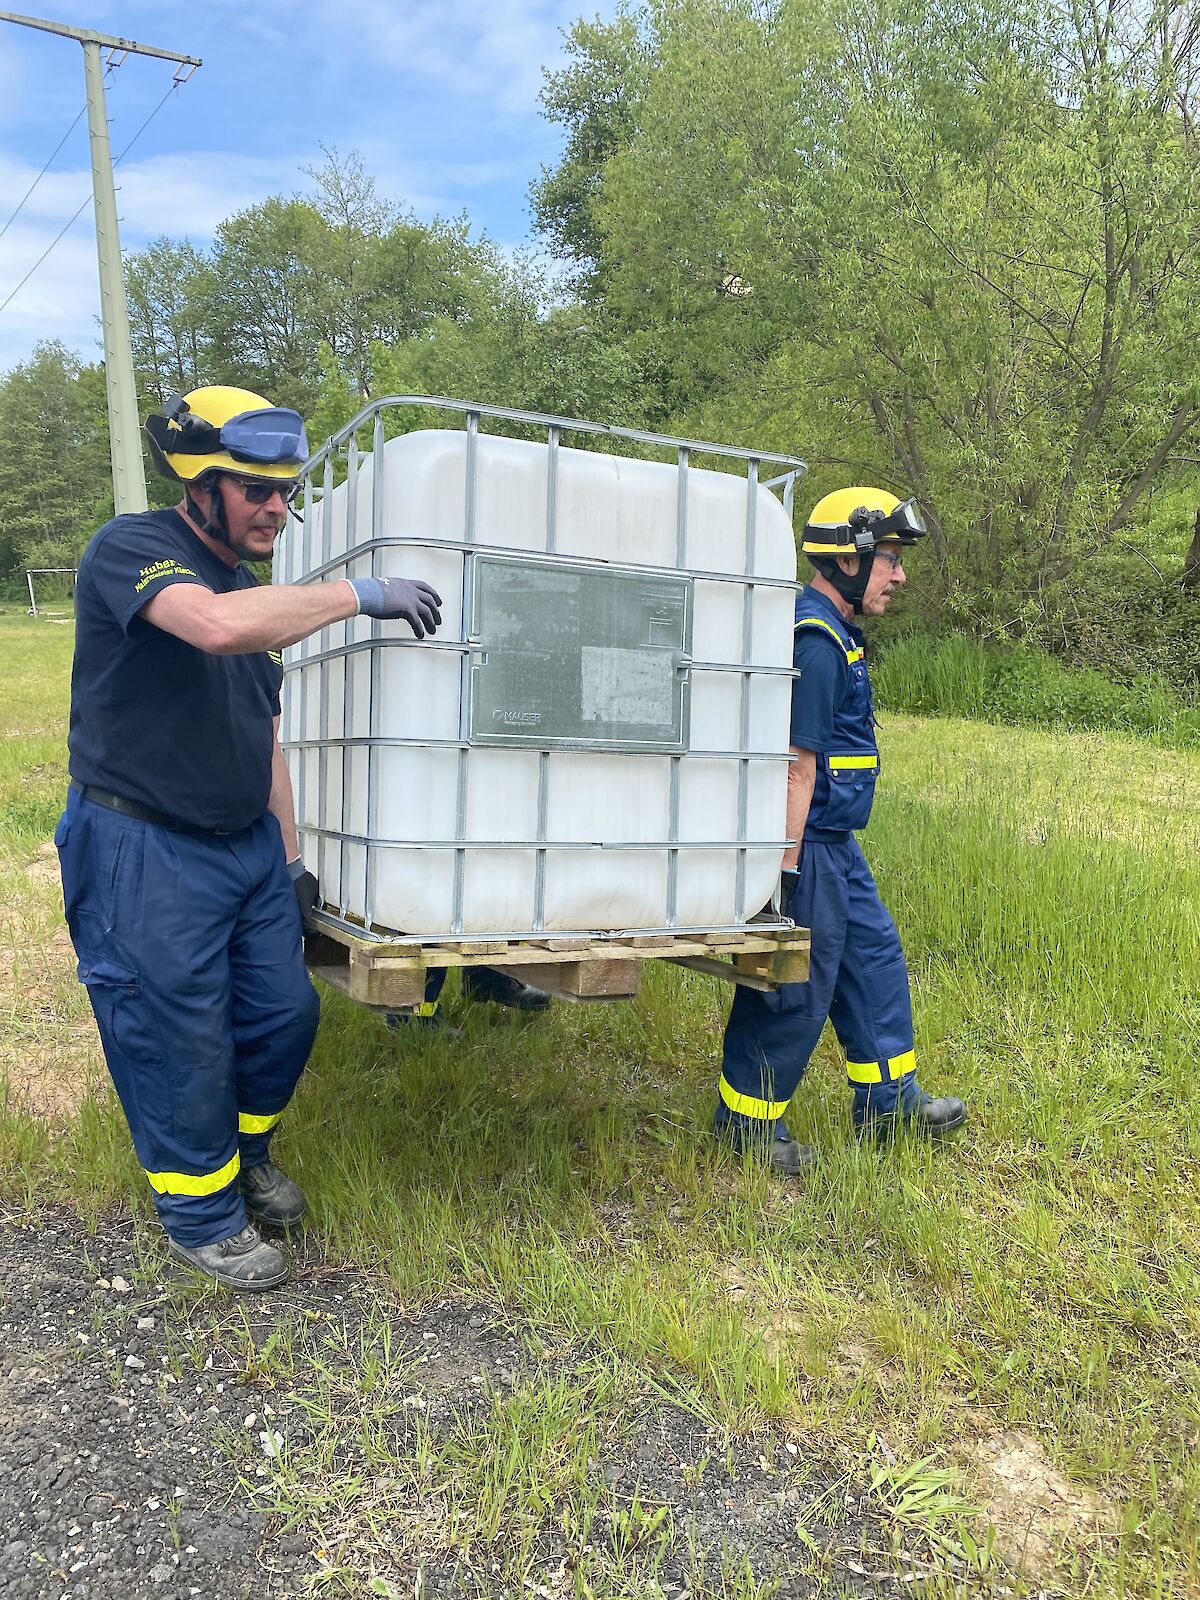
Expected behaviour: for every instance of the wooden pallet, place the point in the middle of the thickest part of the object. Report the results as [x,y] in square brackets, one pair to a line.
[391,976]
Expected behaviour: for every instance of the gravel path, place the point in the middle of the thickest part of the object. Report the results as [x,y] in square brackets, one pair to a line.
[137,1410]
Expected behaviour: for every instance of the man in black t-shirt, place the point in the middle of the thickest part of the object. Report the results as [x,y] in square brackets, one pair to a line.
[181,868]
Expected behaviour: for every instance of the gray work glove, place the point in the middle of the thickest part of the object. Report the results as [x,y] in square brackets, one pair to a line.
[407,598]
[307,894]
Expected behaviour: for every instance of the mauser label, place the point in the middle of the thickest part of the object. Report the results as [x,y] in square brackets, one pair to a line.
[517,719]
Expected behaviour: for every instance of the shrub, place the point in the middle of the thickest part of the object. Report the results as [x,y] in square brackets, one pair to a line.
[952,675]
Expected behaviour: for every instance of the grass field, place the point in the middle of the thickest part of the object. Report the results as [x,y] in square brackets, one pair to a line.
[1001,1333]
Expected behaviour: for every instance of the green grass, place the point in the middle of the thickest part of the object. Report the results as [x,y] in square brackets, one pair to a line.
[951,675]
[1043,1275]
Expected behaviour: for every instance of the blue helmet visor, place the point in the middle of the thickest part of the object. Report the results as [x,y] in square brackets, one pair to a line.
[266,437]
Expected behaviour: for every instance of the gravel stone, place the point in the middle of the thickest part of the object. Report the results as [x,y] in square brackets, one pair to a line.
[121,1473]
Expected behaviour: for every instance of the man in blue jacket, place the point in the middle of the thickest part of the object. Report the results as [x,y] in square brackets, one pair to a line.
[182,879]
[858,980]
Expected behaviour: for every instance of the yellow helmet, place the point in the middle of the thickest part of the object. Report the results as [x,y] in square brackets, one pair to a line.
[227,430]
[851,521]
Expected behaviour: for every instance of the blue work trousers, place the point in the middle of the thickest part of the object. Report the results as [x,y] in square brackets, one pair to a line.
[190,948]
[857,980]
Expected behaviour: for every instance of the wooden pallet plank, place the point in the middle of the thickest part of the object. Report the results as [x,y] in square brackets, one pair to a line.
[776,955]
[722,969]
[338,977]
[754,963]
[583,980]
[379,981]
[791,966]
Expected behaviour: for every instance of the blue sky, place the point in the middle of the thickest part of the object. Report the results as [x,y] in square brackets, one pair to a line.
[441,100]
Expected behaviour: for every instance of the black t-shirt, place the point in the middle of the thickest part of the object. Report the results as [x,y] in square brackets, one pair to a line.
[155,719]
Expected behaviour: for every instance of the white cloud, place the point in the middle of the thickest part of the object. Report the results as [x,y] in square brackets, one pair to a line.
[435,187]
[491,55]
[61,299]
[163,194]
[157,196]
[439,98]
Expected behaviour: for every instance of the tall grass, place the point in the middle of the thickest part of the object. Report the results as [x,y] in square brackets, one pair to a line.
[953,676]
[1042,1274]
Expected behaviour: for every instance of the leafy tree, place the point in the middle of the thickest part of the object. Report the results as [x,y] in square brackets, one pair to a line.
[565,362]
[385,276]
[167,292]
[55,469]
[265,280]
[952,248]
[597,99]
[345,270]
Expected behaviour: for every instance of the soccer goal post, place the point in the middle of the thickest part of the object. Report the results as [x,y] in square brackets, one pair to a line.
[59,581]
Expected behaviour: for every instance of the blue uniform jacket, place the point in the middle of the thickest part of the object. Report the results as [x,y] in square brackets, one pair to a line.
[847,771]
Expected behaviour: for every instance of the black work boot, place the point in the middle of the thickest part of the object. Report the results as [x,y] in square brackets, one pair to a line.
[483,983]
[246,1261]
[931,1118]
[783,1156]
[271,1196]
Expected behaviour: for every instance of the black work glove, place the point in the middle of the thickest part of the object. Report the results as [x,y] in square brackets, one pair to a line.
[409,599]
[305,885]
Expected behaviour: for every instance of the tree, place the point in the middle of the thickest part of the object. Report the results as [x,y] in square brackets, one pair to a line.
[264,283]
[55,470]
[951,248]
[596,98]
[509,352]
[346,270]
[168,294]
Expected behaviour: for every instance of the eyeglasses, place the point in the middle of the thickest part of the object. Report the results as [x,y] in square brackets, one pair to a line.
[896,557]
[257,491]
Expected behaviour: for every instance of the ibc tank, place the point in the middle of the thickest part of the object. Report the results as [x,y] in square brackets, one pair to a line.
[596,739]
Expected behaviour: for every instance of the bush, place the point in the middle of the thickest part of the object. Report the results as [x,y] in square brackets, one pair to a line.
[952,675]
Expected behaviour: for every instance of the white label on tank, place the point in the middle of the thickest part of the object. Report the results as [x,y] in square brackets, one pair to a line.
[629,686]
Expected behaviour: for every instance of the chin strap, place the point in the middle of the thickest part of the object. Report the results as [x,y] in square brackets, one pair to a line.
[851,588]
[215,526]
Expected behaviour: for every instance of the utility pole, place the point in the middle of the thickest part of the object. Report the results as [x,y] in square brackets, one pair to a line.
[124,426]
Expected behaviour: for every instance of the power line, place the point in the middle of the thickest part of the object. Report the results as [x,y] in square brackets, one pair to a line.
[5,303]
[43,172]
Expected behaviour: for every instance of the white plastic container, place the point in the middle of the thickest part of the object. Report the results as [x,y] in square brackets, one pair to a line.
[424,812]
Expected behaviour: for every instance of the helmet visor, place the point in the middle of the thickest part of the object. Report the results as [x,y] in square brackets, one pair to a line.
[266,437]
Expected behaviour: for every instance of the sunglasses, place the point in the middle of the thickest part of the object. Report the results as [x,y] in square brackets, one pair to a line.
[257,491]
[894,556]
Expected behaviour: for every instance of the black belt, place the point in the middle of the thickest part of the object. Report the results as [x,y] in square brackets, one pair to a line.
[131,808]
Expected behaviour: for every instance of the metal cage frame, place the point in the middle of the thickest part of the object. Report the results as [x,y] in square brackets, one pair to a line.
[344,447]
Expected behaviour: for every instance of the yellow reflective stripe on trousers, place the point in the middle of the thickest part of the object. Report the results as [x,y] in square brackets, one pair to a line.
[816,622]
[186,1183]
[249,1124]
[840,762]
[427,1008]
[747,1106]
[873,1071]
